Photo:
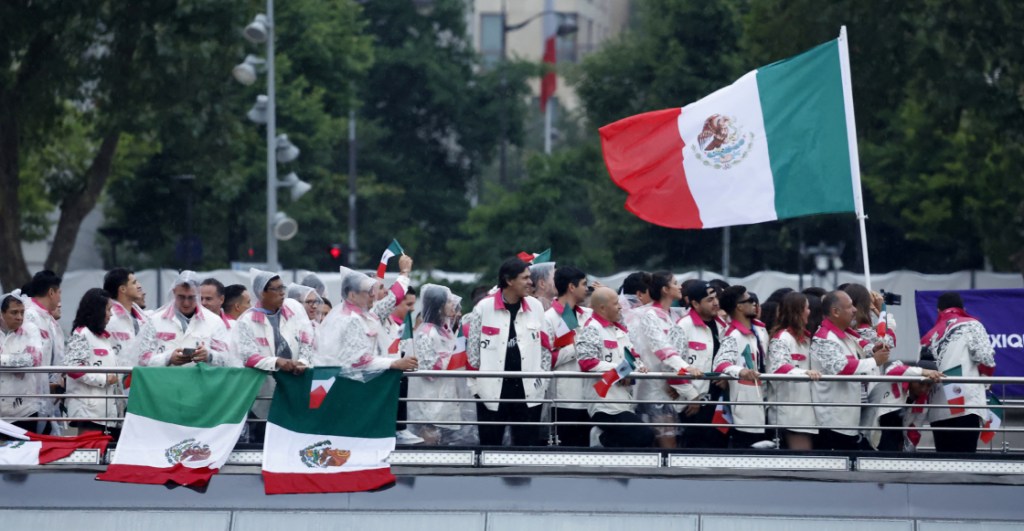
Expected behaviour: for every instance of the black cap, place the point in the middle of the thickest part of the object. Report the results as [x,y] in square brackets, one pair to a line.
[697,291]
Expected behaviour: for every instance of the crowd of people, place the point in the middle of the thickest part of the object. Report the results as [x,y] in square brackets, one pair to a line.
[716,339]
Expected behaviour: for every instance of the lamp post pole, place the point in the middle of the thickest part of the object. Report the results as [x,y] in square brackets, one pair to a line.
[503,91]
[272,262]
[352,245]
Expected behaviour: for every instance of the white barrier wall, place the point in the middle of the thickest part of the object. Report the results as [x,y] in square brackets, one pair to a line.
[157,285]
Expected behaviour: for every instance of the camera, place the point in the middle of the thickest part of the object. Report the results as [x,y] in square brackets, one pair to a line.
[891,299]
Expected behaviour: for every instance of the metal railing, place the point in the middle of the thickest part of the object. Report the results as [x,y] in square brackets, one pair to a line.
[554,423]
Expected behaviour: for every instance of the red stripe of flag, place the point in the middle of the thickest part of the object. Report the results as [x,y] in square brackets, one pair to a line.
[359,481]
[644,156]
[565,340]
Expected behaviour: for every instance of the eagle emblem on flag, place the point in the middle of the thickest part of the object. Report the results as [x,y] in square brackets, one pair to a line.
[722,143]
[321,455]
[11,444]
[188,450]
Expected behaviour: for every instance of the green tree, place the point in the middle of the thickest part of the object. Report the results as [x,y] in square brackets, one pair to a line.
[427,127]
[551,208]
[80,82]
[320,51]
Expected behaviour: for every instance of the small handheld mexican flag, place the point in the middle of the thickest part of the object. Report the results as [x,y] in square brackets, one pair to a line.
[459,360]
[722,417]
[406,334]
[993,419]
[955,391]
[747,358]
[182,423]
[28,448]
[883,322]
[394,249]
[342,445]
[565,333]
[535,258]
[622,370]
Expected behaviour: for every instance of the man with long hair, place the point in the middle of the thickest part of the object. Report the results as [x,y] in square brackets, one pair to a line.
[507,333]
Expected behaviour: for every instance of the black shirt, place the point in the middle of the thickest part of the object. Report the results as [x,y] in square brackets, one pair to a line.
[713,325]
[513,387]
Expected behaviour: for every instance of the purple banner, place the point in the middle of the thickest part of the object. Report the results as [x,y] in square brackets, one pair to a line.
[1002,313]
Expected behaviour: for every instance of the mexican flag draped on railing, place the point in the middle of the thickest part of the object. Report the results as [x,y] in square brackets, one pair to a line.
[340,445]
[27,448]
[325,433]
[182,423]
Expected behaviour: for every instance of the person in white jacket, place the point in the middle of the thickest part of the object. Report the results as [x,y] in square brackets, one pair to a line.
[20,346]
[90,346]
[183,332]
[42,300]
[961,347]
[702,330]
[434,346]
[126,317]
[742,356]
[564,318]
[352,336]
[507,333]
[273,335]
[658,342]
[838,349]
[788,353]
[600,347]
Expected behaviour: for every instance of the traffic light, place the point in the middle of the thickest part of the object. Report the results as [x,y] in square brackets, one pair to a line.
[335,251]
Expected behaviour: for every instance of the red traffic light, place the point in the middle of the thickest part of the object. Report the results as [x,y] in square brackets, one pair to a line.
[335,251]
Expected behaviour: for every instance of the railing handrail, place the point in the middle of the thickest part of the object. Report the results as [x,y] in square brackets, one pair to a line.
[585,375]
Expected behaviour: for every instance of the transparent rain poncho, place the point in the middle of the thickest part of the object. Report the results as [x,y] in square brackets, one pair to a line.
[150,349]
[305,294]
[434,345]
[350,336]
[313,281]
[258,280]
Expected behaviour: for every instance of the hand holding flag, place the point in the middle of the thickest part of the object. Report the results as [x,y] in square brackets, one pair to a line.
[622,370]
[394,249]
[459,360]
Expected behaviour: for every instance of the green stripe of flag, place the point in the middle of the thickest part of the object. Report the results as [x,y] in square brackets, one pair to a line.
[199,396]
[351,408]
[747,358]
[805,125]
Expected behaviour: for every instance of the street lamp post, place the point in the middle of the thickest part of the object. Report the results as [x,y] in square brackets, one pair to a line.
[279,148]
[272,262]
[826,258]
[564,28]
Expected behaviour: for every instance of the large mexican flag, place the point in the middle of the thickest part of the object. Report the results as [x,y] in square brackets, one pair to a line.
[182,423]
[778,143]
[337,442]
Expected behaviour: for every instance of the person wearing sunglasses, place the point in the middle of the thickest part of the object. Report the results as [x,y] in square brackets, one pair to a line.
[742,356]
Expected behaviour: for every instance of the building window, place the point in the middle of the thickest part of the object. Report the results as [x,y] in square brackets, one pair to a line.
[566,46]
[490,38]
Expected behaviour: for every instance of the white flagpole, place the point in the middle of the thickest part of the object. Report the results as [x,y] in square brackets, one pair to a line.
[851,135]
[547,127]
